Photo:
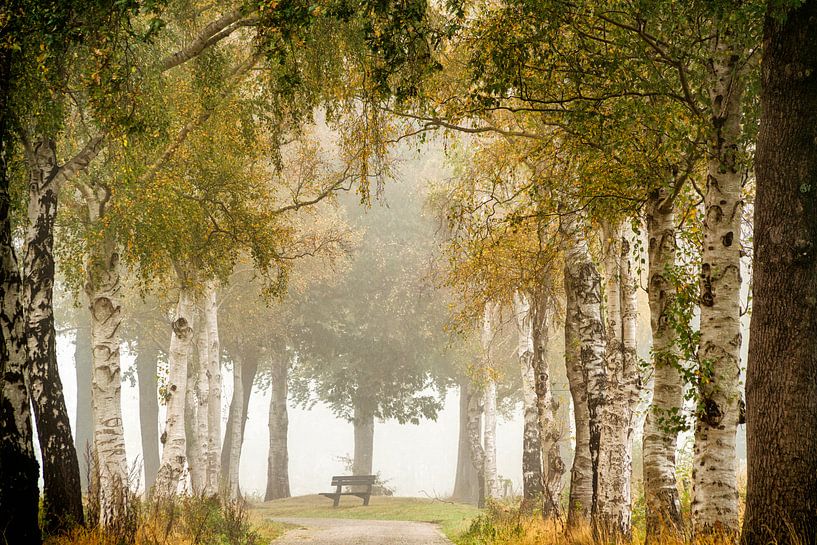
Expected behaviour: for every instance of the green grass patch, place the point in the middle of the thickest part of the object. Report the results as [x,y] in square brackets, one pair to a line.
[453,518]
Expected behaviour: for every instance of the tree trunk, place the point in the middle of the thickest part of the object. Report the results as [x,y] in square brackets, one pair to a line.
[278,463]
[614,501]
[62,491]
[196,470]
[19,495]
[715,491]
[662,424]
[584,349]
[466,486]
[173,438]
[237,414]
[364,441]
[147,376]
[213,451]
[200,400]
[550,432]
[249,368]
[489,404]
[103,289]
[781,381]
[475,441]
[532,483]
[83,361]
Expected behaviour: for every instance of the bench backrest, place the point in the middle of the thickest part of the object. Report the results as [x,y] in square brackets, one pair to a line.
[353,480]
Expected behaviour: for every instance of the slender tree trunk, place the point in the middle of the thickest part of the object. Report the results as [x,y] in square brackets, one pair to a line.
[475,440]
[62,492]
[237,415]
[364,441]
[249,368]
[781,381]
[550,432]
[213,450]
[532,483]
[489,404]
[278,463]
[83,361]
[173,438]
[200,399]
[622,388]
[466,486]
[196,470]
[103,289]
[715,491]
[19,495]
[147,376]
[585,349]
[661,426]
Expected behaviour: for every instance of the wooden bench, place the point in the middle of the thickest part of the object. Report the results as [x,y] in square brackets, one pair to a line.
[351,480]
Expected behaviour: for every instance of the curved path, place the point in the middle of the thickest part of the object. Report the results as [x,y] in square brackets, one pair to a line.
[360,532]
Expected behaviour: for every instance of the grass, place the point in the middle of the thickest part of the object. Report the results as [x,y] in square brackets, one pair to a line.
[453,518]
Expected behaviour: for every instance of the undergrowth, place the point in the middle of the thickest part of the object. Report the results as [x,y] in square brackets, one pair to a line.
[180,521]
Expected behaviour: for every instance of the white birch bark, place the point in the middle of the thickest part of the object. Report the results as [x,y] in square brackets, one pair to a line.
[614,504]
[19,493]
[532,482]
[583,290]
[213,450]
[174,457]
[550,431]
[200,399]
[104,296]
[663,506]
[237,410]
[715,491]
[489,434]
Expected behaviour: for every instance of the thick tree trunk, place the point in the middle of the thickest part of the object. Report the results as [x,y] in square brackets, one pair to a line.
[147,377]
[475,441]
[62,491]
[213,451]
[550,431]
[19,495]
[173,438]
[103,289]
[489,404]
[532,483]
[715,491]
[363,421]
[614,501]
[466,485]
[84,429]
[249,368]
[585,346]
[278,463]
[235,439]
[781,381]
[662,423]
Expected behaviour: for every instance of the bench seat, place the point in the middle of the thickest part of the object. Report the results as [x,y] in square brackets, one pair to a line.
[339,481]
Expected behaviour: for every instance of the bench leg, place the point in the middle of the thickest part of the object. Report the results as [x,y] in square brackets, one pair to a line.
[366,499]
[337,497]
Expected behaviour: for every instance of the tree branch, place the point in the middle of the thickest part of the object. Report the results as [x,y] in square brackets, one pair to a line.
[211,34]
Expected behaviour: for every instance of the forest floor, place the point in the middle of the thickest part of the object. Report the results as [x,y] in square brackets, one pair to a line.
[413,521]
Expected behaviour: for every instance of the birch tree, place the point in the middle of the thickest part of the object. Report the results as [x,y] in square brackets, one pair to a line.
[623,383]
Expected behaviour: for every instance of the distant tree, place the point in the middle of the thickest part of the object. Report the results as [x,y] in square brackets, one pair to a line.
[370,345]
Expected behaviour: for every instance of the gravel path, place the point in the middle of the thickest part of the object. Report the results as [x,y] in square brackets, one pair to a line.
[360,532]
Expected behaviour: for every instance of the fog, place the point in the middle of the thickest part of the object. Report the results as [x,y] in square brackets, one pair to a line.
[414,460]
